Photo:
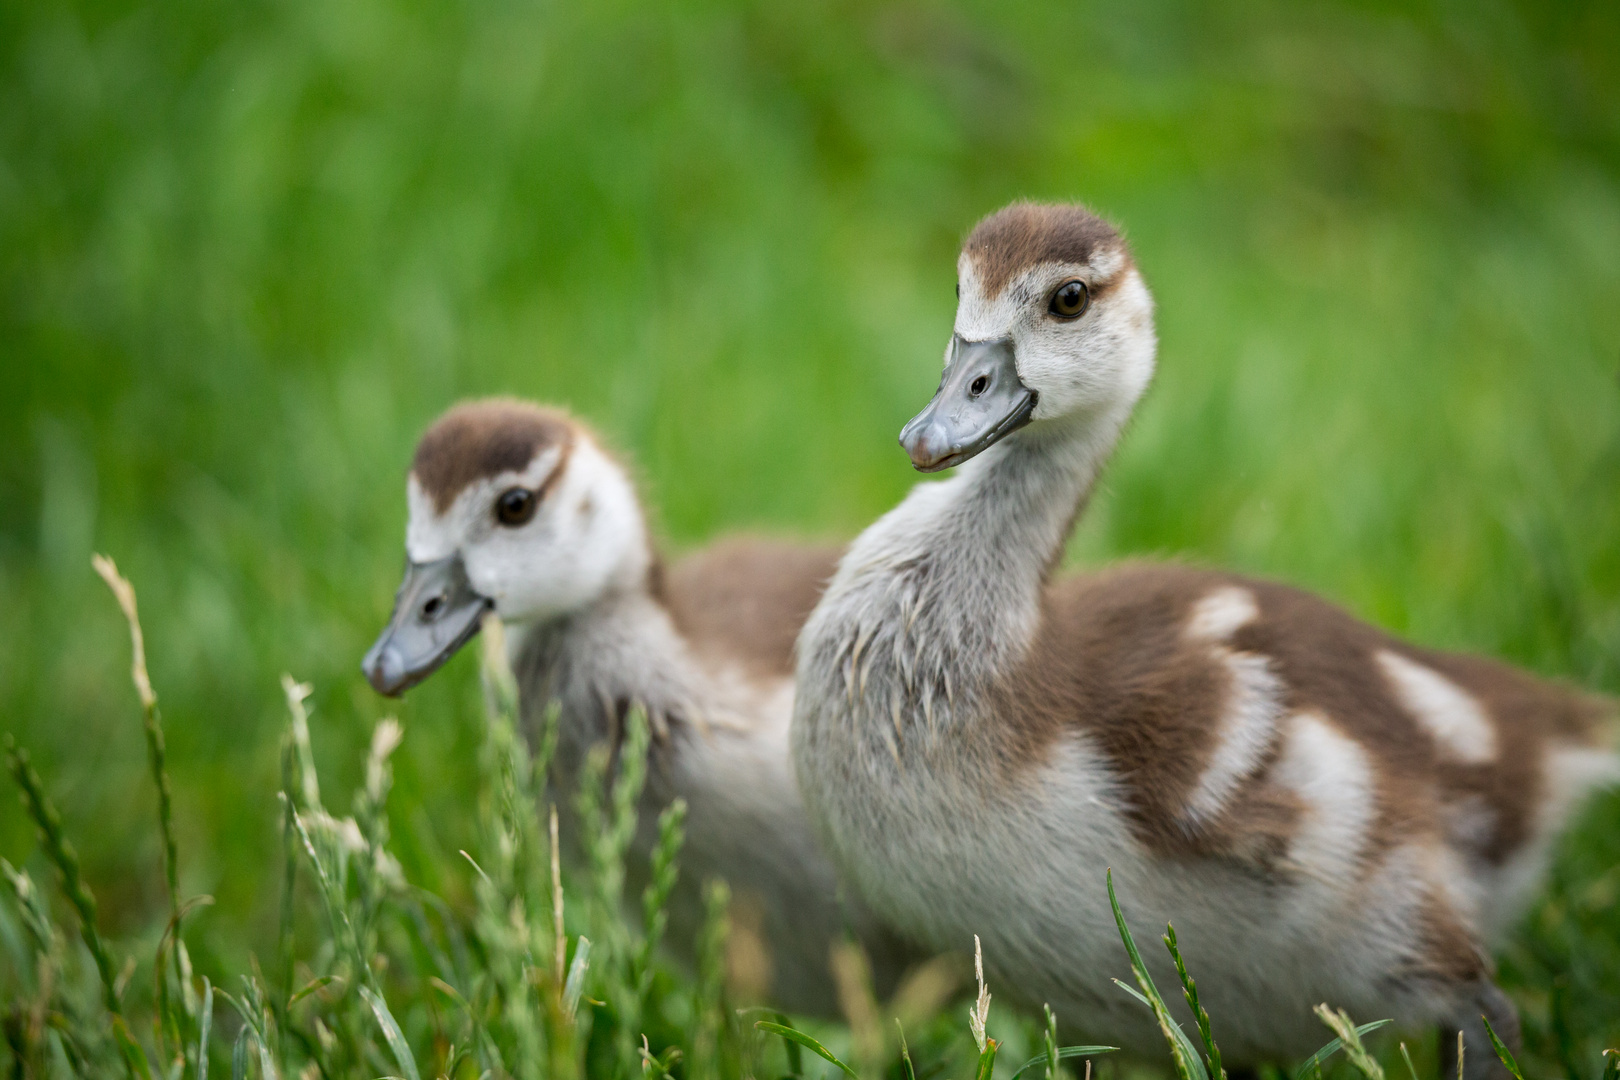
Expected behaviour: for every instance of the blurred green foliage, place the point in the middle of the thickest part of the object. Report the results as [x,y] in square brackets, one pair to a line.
[248,250]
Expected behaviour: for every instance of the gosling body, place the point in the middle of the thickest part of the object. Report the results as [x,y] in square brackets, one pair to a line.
[1327,814]
[519,511]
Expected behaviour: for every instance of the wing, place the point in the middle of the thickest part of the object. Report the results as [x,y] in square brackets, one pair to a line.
[745,599]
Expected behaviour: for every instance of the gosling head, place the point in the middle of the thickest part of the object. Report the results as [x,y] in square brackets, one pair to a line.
[514,509]
[1052,322]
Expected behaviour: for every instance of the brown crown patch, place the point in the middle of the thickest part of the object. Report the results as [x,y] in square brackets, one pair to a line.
[481,439]
[1025,234]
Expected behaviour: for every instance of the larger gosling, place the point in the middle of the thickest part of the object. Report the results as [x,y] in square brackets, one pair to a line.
[1327,813]
[517,510]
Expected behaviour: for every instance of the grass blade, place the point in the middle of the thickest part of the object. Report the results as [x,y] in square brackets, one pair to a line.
[980,1011]
[905,1052]
[239,1054]
[1052,1058]
[313,986]
[1333,1047]
[1350,1038]
[1406,1056]
[205,1024]
[796,1059]
[1063,1053]
[1189,990]
[574,988]
[987,1060]
[1611,1065]
[124,593]
[1502,1051]
[134,1056]
[1181,1037]
[1185,1055]
[660,884]
[794,1035]
[61,853]
[391,1032]
[267,1067]
[708,994]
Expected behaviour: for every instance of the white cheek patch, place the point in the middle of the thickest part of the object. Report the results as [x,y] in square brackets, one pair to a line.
[1220,614]
[1447,712]
[431,535]
[978,318]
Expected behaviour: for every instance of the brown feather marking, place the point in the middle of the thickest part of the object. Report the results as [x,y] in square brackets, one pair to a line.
[746,599]
[1027,234]
[1529,714]
[482,439]
[1111,660]
[1448,953]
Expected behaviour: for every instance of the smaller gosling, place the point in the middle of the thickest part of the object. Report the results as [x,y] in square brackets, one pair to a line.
[518,510]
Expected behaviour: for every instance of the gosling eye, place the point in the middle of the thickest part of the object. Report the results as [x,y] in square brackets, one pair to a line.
[515,506]
[980,385]
[1070,300]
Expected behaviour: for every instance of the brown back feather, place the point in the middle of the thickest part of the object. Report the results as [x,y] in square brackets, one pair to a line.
[745,599]
[1111,660]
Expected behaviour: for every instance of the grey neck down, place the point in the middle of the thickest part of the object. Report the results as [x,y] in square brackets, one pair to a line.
[596,664]
[942,595]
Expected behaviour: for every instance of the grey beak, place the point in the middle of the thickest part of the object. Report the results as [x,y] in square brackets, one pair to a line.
[980,400]
[436,612]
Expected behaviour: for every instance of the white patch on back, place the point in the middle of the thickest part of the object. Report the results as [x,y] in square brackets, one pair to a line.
[1220,614]
[1248,727]
[1333,778]
[1570,775]
[1447,712]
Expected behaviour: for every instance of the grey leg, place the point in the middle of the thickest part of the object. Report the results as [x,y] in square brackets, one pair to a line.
[1479,1056]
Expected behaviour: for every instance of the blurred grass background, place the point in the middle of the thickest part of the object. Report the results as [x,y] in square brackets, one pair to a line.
[249,250]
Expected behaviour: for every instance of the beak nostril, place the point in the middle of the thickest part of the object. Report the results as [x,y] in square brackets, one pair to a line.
[980,385]
[434,605]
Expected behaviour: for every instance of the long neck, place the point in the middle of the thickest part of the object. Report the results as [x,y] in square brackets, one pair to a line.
[943,594]
[598,662]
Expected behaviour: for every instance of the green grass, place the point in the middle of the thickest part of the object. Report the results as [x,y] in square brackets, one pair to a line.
[247,251]
[503,990]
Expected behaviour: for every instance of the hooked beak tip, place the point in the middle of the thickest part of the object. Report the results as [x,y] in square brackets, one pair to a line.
[436,612]
[384,669]
[922,441]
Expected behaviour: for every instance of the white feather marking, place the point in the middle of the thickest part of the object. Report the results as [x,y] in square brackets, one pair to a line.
[1570,774]
[1573,773]
[1220,614]
[1447,712]
[1248,727]
[1333,778]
